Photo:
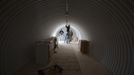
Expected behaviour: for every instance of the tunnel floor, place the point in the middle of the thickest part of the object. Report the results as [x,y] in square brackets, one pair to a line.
[72,61]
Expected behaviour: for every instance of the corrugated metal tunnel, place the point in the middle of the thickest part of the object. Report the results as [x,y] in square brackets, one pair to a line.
[108,24]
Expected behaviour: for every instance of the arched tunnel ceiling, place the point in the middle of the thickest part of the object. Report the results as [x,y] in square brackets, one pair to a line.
[108,23]
[96,10]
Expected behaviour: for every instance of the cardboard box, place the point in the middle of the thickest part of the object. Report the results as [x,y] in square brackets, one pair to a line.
[84,46]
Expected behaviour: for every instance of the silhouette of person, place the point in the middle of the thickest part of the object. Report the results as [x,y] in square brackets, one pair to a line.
[55,44]
[61,32]
[67,38]
[71,35]
[61,35]
[68,28]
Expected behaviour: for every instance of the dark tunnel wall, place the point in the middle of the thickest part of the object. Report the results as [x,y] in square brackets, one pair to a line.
[110,24]
[17,35]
